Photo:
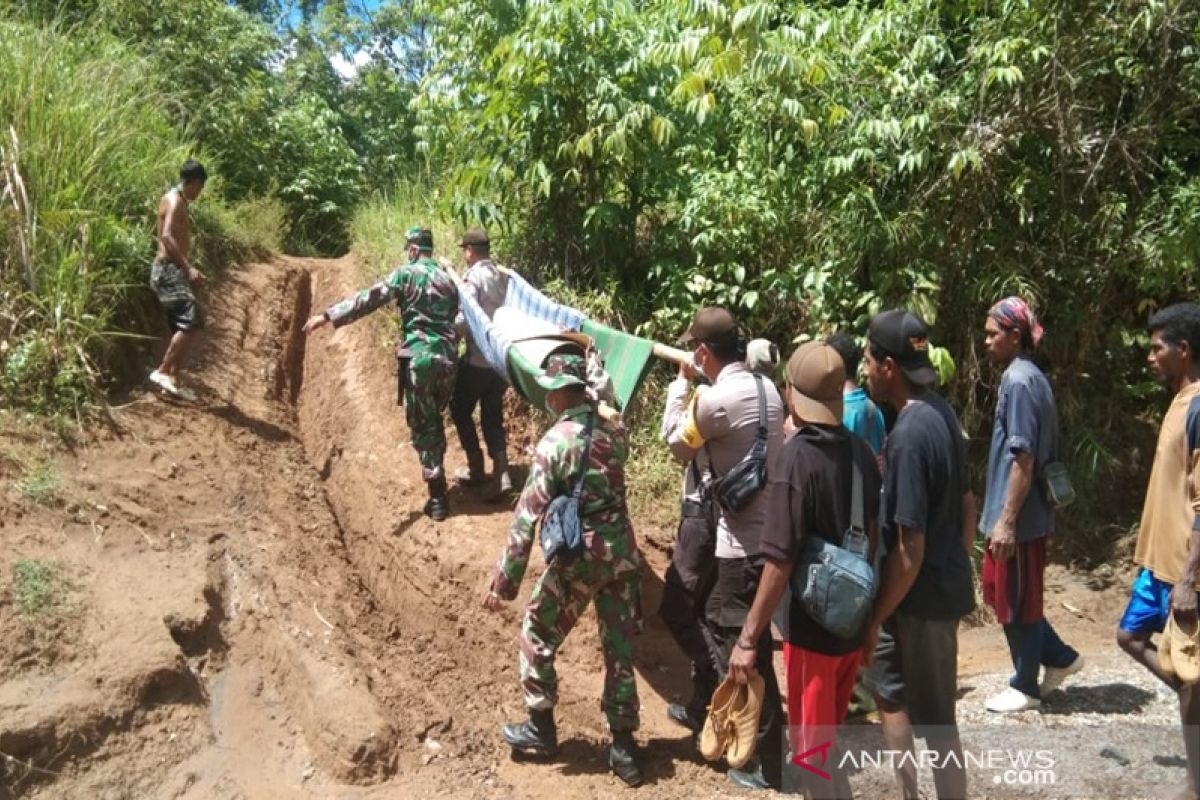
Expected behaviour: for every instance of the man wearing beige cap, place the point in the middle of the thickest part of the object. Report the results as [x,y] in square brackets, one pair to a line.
[477,383]
[732,420]
[811,494]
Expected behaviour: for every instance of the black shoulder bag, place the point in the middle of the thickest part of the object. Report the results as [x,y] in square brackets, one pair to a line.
[735,490]
[562,528]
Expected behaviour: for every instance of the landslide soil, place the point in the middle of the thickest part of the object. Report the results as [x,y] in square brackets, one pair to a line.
[246,601]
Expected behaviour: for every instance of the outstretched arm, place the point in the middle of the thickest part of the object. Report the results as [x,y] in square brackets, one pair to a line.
[358,305]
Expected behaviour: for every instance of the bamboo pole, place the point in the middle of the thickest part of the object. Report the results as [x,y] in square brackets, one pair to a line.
[672,354]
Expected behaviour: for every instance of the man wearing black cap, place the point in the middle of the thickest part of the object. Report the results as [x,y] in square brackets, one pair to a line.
[477,383]
[926,582]
[719,562]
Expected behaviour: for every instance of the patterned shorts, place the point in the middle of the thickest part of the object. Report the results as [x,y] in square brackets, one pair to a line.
[175,294]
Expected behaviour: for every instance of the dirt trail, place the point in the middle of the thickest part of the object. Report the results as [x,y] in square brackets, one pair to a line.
[256,608]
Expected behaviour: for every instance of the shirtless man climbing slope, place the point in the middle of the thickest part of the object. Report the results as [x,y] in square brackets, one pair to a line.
[173,277]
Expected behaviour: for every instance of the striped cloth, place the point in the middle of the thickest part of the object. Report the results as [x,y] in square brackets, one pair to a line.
[529,301]
[490,338]
[522,330]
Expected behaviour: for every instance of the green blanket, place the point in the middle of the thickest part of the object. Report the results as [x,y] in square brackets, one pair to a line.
[523,371]
[627,358]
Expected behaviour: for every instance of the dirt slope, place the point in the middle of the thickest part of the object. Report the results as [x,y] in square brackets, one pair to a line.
[250,604]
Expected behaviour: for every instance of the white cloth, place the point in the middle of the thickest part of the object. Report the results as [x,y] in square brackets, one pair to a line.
[488,285]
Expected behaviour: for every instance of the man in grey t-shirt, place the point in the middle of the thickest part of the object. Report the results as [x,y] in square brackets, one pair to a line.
[1017,519]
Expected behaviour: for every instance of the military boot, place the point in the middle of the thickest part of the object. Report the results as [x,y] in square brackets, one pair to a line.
[437,506]
[473,474]
[622,757]
[537,735]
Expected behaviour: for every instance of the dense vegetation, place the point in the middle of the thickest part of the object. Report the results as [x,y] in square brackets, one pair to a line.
[806,163]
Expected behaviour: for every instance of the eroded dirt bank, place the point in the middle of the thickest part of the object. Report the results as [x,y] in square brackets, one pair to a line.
[247,603]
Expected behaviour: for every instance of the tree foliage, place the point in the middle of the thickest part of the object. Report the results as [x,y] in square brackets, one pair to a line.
[810,163]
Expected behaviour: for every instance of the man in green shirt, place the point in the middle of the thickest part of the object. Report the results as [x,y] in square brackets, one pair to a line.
[428,352]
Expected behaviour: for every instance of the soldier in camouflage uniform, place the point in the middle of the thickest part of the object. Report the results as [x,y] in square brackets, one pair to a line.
[428,302]
[606,573]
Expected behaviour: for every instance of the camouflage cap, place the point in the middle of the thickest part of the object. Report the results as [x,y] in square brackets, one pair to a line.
[563,370]
[420,236]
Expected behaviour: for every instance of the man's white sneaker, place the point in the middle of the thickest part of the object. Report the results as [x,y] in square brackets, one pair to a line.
[164,382]
[1011,701]
[168,385]
[1054,676]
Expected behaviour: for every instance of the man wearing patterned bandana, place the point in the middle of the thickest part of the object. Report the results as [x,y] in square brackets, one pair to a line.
[1017,518]
[605,574]
[428,303]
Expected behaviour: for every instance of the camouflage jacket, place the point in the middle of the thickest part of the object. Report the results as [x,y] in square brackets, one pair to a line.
[608,533]
[428,302]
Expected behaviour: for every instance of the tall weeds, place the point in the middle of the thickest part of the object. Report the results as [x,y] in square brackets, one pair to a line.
[85,153]
[378,226]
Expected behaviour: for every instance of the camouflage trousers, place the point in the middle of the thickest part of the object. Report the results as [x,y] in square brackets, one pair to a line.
[426,395]
[560,597]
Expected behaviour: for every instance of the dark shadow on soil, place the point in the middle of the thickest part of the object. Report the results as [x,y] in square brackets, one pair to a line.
[1109,698]
[657,758]
[406,522]
[260,428]
[656,656]
[476,501]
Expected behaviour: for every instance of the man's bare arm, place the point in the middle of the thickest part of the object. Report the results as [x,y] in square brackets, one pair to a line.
[970,521]
[1020,480]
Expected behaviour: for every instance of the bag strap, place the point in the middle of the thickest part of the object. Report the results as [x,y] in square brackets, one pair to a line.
[587,454]
[760,436]
[858,510]
[712,473]
[855,540]
[762,409]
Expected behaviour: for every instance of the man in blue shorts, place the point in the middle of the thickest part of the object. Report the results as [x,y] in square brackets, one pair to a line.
[1168,545]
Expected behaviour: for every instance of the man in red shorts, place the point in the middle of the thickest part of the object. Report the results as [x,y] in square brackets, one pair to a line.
[811,495]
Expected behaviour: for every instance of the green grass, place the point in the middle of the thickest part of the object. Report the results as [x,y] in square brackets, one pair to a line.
[377,229]
[39,588]
[40,482]
[86,150]
[654,477]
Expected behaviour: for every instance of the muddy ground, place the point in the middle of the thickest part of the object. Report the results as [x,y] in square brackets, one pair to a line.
[241,599]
